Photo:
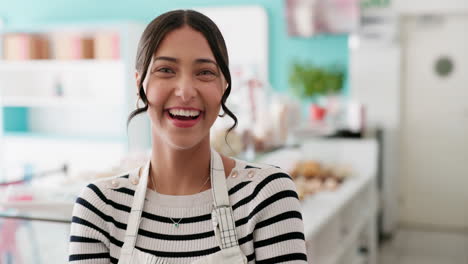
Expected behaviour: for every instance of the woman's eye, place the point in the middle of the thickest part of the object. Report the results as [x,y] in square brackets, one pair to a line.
[206,72]
[165,70]
[206,75]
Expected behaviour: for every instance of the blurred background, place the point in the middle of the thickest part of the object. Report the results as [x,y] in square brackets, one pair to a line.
[363,102]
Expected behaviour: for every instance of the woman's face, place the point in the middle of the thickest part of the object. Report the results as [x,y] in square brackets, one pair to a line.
[184,89]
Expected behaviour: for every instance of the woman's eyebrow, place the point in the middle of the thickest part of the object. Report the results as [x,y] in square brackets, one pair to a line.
[197,61]
[166,58]
[204,60]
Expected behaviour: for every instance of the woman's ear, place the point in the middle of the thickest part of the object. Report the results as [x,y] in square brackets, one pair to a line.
[138,80]
[224,84]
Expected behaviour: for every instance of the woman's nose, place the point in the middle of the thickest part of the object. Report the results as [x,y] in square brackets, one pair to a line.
[185,88]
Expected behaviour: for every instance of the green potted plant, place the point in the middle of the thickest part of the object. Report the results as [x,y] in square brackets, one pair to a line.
[308,80]
[312,82]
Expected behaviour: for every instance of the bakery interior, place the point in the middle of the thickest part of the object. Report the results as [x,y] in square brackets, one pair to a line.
[371,124]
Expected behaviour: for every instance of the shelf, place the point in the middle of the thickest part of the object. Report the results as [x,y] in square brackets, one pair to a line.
[55,137]
[55,110]
[29,101]
[60,65]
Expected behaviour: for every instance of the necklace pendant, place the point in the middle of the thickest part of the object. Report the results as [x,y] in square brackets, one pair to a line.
[176,225]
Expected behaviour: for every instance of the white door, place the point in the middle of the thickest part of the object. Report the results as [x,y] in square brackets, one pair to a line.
[434,150]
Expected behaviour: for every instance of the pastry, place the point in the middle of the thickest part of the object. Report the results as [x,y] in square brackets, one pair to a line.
[310,169]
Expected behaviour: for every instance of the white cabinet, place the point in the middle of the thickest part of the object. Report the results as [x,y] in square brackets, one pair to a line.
[73,111]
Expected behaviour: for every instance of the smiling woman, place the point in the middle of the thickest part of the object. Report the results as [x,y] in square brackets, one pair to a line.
[188,204]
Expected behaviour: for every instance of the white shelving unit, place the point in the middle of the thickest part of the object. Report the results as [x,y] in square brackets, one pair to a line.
[86,83]
[337,224]
[53,102]
[72,110]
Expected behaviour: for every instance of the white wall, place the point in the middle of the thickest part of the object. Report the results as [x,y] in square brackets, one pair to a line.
[375,82]
[431,6]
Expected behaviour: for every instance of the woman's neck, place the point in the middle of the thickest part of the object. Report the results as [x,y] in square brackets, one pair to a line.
[183,172]
[179,172]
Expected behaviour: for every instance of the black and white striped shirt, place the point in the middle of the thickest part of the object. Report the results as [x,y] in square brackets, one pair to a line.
[266,208]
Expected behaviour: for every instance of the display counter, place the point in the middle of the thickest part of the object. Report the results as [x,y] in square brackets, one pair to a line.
[339,226]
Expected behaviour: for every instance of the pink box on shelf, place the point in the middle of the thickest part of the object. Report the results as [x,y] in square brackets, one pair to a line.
[107,46]
[25,46]
[73,47]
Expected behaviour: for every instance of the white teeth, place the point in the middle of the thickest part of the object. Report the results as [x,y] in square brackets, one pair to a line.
[180,112]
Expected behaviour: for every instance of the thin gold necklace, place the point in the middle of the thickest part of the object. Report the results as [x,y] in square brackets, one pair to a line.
[176,224]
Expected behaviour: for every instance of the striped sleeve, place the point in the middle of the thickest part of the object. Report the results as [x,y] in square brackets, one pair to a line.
[279,229]
[89,234]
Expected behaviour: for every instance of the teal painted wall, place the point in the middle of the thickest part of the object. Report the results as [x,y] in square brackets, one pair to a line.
[283,50]
[15,119]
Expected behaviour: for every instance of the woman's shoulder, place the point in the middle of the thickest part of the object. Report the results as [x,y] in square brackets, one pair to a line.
[263,175]
[258,185]
[259,169]
[121,183]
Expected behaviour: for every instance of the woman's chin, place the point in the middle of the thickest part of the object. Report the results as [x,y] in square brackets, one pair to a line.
[184,143]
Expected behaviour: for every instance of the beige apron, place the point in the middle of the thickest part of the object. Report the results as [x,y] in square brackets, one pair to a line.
[222,217]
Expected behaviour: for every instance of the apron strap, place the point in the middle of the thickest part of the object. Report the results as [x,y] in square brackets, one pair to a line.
[134,219]
[218,181]
[222,215]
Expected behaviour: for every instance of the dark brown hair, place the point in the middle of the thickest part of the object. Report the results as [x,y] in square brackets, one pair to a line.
[167,22]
